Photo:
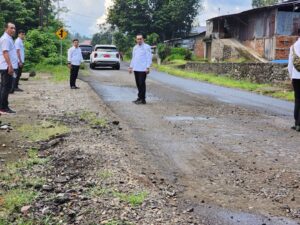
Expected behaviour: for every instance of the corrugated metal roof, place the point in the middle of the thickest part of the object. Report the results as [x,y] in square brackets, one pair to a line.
[293,3]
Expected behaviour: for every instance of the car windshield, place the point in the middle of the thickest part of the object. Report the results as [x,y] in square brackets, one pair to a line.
[106,49]
[86,48]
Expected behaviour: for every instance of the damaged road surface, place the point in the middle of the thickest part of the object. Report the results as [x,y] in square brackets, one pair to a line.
[231,153]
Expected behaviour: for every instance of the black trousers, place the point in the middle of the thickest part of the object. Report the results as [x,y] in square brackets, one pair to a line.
[15,82]
[140,79]
[73,75]
[296,85]
[5,88]
[19,74]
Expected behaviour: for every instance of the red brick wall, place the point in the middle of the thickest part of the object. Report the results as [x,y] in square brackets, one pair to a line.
[257,45]
[283,44]
[199,48]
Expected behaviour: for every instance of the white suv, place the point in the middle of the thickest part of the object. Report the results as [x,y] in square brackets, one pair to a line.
[105,55]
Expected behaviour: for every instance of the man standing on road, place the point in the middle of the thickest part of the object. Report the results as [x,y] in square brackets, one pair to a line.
[8,65]
[21,58]
[74,60]
[140,65]
[294,71]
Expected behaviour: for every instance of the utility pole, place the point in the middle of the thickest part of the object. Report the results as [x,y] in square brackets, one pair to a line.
[58,18]
[41,10]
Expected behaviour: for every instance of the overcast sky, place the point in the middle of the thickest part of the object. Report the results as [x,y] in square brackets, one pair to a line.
[84,15]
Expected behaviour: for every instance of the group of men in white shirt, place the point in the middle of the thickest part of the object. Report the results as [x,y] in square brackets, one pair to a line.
[12,58]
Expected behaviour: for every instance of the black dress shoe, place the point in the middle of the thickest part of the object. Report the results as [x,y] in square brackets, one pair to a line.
[18,89]
[135,101]
[141,102]
[9,110]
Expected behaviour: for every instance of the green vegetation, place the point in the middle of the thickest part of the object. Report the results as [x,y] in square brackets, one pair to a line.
[117,222]
[20,189]
[92,119]
[226,81]
[261,3]
[105,174]
[14,199]
[42,131]
[133,199]
[97,192]
[42,47]
[168,54]
[166,18]
[59,73]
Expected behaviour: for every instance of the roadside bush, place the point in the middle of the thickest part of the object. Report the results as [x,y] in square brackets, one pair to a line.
[163,51]
[43,47]
[175,57]
[186,53]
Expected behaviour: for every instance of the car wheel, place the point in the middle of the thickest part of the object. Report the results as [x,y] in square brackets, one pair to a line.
[92,66]
[117,67]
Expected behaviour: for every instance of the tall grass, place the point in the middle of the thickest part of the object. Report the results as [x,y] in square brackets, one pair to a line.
[225,81]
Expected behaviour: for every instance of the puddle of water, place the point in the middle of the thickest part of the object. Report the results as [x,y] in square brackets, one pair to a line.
[186,118]
[118,93]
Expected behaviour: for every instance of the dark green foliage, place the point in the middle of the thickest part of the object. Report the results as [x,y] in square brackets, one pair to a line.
[152,39]
[261,3]
[167,18]
[123,42]
[25,13]
[185,53]
[163,51]
[102,38]
[41,44]
[44,47]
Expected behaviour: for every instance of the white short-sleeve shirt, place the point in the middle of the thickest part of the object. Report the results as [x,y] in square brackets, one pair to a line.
[20,46]
[294,74]
[7,44]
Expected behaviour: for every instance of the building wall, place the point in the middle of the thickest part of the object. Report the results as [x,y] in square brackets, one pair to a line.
[283,44]
[199,48]
[288,23]
[258,45]
[256,72]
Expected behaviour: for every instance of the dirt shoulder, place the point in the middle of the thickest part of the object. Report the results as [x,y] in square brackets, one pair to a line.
[69,160]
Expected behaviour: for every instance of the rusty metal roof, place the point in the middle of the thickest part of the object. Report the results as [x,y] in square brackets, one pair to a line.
[279,5]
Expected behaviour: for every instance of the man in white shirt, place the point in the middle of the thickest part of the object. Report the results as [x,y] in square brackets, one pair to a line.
[74,60]
[140,65]
[295,76]
[8,65]
[19,43]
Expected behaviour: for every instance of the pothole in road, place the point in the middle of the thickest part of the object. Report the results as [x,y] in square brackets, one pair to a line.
[178,118]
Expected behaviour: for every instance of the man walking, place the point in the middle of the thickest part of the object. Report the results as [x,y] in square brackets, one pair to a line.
[294,71]
[74,60]
[8,65]
[140,65]
[21,58]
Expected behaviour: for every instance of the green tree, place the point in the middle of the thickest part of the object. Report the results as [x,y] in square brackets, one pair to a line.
[124,42]
[25,14]
[152,39]
[167,18]
[261,3]
[104,38]
[43,47]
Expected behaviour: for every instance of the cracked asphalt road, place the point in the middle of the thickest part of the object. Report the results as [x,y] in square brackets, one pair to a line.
[232,152]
